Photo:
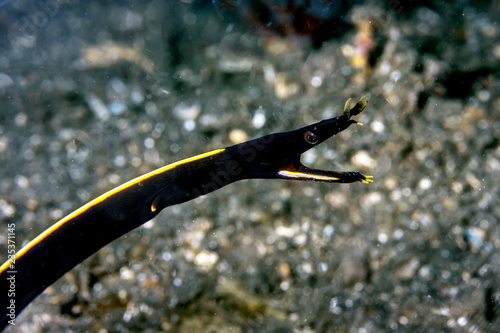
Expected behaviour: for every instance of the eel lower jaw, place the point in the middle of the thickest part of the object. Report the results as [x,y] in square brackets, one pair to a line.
[297,171]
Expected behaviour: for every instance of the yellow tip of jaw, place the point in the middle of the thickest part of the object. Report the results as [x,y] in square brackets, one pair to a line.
[367,180]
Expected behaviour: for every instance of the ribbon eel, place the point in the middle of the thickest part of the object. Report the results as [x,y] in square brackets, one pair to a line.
[80,234]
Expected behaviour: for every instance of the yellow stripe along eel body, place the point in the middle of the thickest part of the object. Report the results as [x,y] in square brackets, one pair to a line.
[80,234]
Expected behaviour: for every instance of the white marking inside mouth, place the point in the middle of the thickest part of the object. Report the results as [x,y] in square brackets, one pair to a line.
[301,175]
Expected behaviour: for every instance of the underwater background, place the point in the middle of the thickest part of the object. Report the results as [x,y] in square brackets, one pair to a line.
[95,93]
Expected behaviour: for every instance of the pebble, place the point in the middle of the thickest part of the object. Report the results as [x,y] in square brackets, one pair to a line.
[5,81]
[98,107]
[185,112]
[259,118]
[237,136]
[364,160]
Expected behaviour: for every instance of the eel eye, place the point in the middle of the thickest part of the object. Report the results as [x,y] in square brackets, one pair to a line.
[311,138]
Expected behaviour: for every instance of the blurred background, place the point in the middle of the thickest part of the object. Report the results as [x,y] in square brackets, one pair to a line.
[95,93]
